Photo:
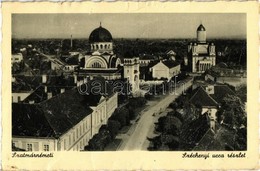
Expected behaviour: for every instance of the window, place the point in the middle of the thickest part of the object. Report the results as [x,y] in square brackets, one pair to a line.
[65,144]
[96,65]
[80,130]
[73,136]
[46,148]
[70,140]
[19,98]
[77,133]
[29,147]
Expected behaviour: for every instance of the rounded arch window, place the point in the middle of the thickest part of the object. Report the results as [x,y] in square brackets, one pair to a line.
[136,78]
[96,65]
[96,46]
[105,46]
[101,46]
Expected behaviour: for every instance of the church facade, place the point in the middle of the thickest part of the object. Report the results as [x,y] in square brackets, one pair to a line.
[202,54]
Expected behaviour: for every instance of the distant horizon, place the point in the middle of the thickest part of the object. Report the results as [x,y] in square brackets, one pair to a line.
[133,26]
[130,38]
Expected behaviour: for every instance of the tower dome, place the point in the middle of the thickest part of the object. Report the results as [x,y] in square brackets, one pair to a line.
[201,34]
[201,28]
[100,34]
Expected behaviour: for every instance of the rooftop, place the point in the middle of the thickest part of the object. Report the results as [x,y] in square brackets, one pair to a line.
[168,63]
[202,98]
[50,118]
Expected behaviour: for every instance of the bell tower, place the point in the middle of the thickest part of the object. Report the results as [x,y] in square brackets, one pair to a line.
[201,34]
[131,72]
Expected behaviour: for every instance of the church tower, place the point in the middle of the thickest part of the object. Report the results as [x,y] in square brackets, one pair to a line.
[201,34]
[201,54]
[131,72]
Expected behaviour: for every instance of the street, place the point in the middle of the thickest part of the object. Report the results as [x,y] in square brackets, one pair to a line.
[137,135]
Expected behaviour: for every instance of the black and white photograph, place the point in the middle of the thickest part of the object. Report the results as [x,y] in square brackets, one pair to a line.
[129,82]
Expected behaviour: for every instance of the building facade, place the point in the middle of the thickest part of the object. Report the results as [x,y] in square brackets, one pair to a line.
[202,54]
[131,72]
[164,69]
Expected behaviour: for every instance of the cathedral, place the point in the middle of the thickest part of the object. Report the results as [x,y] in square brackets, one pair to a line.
[101,60]
[202,55]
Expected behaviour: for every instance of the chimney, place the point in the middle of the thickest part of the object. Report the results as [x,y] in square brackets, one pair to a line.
[210,89]
[44,78]
[45,89]
[185,60]
[49,95]
[62,90]
[31,102]
[75,78]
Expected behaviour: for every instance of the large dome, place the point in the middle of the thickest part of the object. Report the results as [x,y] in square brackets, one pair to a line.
[100,34]
[201,28]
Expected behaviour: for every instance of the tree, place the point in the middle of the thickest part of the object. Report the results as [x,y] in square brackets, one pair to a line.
[99,140]
[122,116]
[113,126]
[233,111]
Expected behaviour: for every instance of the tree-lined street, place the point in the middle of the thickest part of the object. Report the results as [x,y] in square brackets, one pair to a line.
[136,138]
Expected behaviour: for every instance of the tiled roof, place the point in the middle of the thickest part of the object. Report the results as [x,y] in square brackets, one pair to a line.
[202,98]
[168,63]
[194,131]
[216,142]
[29,120]
[50,118]
[95,89]
[220,91]
[40,95]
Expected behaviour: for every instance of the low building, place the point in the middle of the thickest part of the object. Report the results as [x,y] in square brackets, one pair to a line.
[208,99]
[20,91]
[164,69]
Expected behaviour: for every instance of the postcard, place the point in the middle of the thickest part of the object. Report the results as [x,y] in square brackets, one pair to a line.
[130,85]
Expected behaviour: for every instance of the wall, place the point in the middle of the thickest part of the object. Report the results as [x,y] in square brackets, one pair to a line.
[160,71]
[77,137]
[97,119]
[37,143]
[175,70]
[213,111]
[22,96]
[111,105]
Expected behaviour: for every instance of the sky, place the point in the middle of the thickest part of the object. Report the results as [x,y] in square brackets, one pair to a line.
[151,25]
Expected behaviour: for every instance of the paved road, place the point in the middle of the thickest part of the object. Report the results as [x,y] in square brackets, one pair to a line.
[137,139]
